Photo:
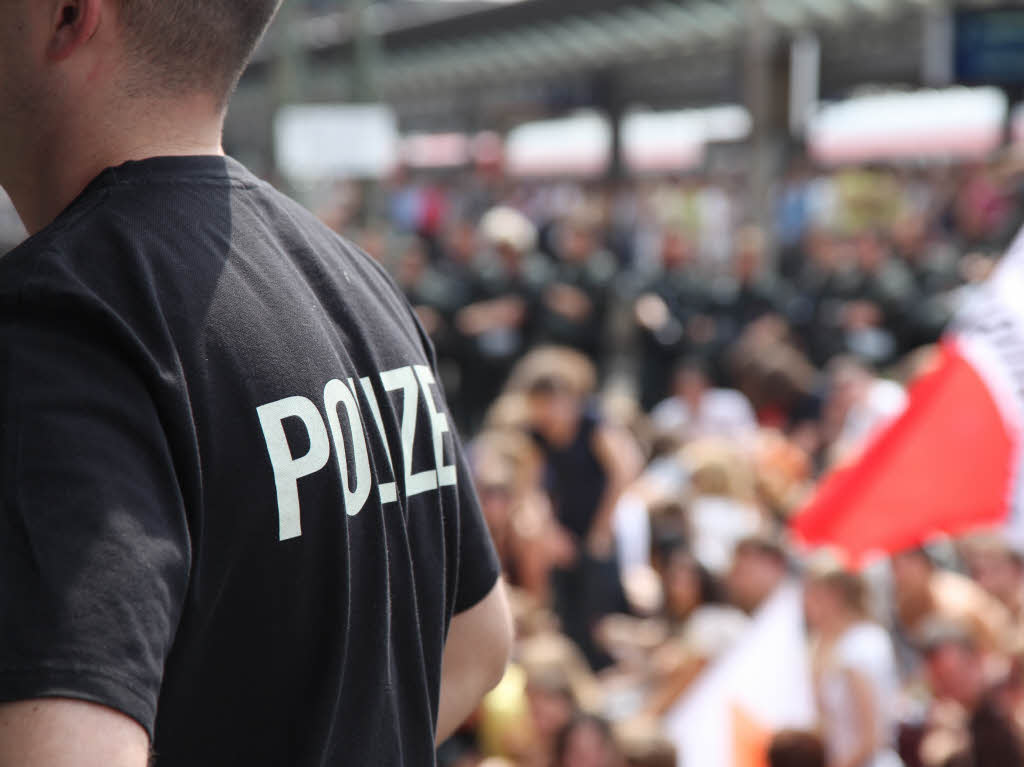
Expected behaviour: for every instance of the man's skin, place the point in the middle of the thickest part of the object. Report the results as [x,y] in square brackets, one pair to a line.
[64,112]
[63,733]
[69,108]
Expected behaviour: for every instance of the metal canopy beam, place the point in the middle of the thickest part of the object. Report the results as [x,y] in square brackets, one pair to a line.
[551,53]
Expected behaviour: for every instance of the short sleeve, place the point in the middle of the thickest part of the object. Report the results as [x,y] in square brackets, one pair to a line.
[868,649]
[94,548]
[479,567]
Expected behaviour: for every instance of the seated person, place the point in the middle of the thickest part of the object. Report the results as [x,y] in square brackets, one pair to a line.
[697,410]
[970,724]
[925,593]
[759,567]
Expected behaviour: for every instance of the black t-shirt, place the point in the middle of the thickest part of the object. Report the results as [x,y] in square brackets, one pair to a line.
[231,505]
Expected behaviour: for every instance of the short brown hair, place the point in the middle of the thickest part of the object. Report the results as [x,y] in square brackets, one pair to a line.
[763,545]
[193,45]
[850,588]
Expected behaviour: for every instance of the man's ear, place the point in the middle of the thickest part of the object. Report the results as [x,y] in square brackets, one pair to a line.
[72,24]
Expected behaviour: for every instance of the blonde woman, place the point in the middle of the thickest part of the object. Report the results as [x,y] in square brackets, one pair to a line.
[855,672]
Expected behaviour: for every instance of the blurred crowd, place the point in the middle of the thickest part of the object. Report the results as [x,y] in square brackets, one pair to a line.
[650,385]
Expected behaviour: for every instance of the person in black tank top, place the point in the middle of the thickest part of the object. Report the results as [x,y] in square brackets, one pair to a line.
[588,464]
[575,477]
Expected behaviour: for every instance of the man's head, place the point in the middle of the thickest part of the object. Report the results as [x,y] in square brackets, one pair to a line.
[554,408]
[955,668]
[677,250]
[833,598]
[748,256]
[997,567]
[556,382]
[68,67]
[462,242]
[759,565]
[186,46]
[685,583]
[912,574]
[691,380]
[849,382]
[578,237]
[153,47]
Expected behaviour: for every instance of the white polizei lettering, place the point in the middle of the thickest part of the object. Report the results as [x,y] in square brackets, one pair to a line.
[358,479]
[388,490]
[355,489]
[405,379]
[287,468]
[446,475]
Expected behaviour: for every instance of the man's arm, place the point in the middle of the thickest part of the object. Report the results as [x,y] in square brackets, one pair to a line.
[475,655]
[865,732]
[621,459]
[67,733]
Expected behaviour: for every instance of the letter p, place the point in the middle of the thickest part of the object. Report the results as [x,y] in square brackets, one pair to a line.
[288,469]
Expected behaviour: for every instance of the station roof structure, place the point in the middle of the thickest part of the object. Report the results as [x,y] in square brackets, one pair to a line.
[477,64]
[541,38]
[452,45]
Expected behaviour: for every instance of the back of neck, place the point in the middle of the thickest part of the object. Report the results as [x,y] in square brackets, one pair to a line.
[63,161]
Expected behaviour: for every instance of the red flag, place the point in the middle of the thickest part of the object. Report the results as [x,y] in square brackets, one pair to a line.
[950,462]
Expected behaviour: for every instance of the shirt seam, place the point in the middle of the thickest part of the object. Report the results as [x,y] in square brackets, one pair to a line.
[211,180]
[65,223]
[49,238]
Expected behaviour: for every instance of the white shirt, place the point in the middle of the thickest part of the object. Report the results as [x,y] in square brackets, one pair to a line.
[883,402]
[632,526]
[718,525]
[866,649]
[722,413]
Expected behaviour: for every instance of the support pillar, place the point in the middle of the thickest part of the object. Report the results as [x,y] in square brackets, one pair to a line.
[766,93]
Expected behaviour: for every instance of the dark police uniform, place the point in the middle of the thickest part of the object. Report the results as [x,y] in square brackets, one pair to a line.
[232,505]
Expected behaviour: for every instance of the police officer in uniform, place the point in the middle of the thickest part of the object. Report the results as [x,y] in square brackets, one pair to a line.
[236,527]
